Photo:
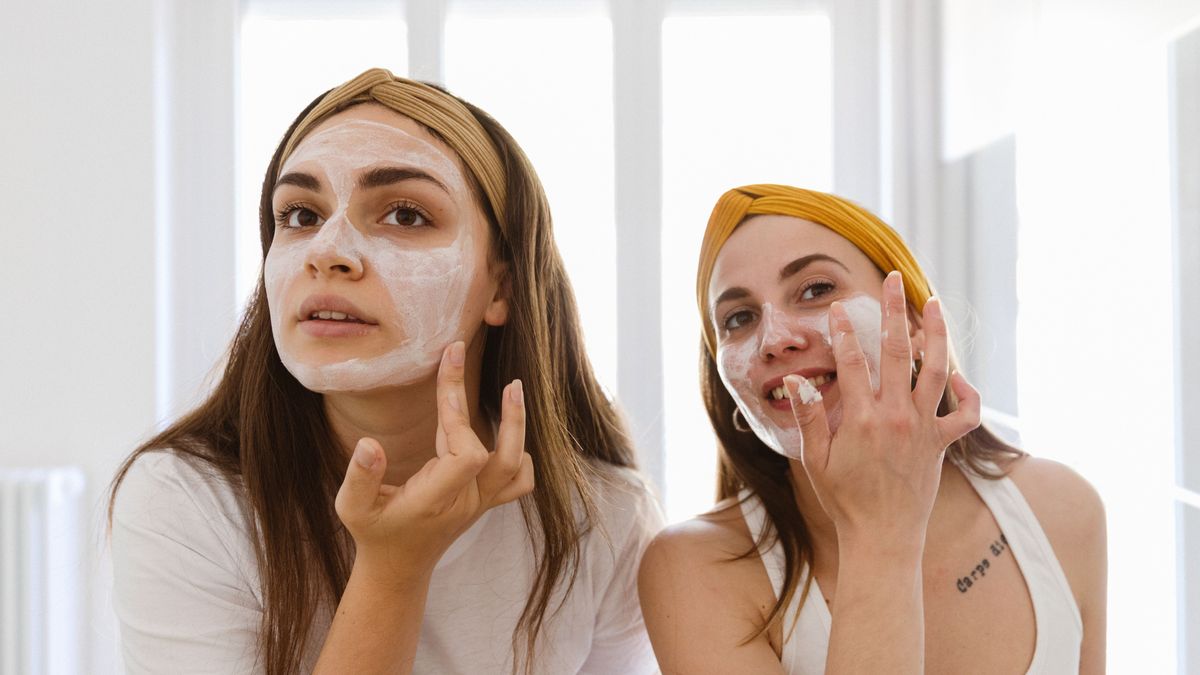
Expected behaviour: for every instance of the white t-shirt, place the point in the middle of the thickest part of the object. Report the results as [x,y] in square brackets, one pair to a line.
[188,597]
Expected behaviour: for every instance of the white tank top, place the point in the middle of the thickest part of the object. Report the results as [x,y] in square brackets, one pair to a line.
[1059,627]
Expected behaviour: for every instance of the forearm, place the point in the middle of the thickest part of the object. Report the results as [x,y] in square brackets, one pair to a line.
[878,614]
[377,624]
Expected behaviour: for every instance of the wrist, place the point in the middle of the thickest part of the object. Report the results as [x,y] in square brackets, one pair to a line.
[901,546]
[385,570]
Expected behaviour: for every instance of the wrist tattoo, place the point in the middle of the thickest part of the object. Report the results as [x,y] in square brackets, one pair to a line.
[997,547]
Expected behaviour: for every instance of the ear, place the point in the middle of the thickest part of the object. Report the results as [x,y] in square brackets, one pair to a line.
[496,313]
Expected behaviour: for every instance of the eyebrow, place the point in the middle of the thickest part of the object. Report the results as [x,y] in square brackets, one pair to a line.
[390,175]
[799,264]
[383,176]
[301,180]
[788,270]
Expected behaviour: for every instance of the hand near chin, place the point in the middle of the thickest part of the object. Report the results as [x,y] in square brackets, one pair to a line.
[878,475]
[406,529]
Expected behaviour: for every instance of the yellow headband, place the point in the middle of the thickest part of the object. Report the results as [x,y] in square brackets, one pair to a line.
[862,228]
[432,107]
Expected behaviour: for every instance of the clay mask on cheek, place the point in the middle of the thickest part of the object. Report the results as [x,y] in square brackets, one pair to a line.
[427,288]
[735,360]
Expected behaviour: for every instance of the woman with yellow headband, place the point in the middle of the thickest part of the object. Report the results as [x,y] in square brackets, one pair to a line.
[408,465]
[868,524]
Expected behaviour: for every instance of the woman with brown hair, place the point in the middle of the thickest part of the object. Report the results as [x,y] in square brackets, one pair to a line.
[408,465]
[868,524]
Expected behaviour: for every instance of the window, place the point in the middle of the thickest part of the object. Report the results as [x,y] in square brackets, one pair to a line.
[717,136]
[1094,330]
[547,77]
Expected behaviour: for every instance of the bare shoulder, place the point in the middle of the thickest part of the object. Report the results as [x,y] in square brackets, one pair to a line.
[707,560]
[1071,514]
[705,594]
[1063,501]
[710,538]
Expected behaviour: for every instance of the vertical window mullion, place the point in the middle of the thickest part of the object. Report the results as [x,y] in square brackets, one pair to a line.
[426,39]
[637,108]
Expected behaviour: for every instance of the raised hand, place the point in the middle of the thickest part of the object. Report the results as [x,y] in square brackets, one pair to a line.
[408,528]
[878,474]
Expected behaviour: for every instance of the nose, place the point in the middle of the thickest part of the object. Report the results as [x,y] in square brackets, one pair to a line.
[333,253]
[779,336]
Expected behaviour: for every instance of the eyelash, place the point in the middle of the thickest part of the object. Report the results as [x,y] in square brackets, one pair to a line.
[814,283]
[283,214]
[411,206]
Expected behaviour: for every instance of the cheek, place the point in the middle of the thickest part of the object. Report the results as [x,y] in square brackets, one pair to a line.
[733,364]
[281,258]
[428,288]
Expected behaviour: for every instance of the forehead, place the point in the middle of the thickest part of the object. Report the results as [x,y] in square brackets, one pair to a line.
[762,245]
[370,133]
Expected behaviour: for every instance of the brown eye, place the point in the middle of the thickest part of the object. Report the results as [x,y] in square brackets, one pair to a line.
[406,215]
[298,217]
[306,218]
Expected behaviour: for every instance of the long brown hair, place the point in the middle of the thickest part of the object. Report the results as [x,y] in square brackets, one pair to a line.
[265,432]
[748,464]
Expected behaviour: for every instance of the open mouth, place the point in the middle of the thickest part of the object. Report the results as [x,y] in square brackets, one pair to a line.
[780,393]
[328,315]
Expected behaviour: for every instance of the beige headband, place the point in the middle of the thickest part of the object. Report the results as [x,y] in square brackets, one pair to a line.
[432,107]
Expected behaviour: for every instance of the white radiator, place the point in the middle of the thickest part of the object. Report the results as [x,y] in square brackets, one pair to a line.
[41,570]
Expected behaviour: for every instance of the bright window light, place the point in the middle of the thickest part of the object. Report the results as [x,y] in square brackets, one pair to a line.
[287,60]
[1094,330]
[548,80]
[746,99]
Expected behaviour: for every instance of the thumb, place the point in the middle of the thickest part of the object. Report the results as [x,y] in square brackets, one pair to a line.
[359,493]
[809,411]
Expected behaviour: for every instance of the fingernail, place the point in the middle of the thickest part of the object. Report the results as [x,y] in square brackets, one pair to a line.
[453,401]
[933,307]
[364,454]
[517,392]
[457,353]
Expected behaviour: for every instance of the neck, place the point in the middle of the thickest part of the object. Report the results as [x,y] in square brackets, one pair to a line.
[403,419]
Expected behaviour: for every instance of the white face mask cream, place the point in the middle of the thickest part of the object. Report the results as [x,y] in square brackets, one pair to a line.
[426,288]
[735,362]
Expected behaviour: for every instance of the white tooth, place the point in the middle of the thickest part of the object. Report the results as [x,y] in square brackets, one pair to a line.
[778,393]
[819,380]
[325,314]
[337,316]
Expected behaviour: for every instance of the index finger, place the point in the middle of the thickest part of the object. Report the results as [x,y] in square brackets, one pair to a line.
[450,379]
[453,390]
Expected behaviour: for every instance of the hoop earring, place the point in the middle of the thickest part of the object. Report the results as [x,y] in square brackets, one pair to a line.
[739,421]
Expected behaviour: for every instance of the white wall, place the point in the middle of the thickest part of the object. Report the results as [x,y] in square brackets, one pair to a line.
[77,233]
